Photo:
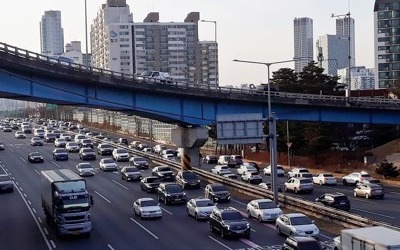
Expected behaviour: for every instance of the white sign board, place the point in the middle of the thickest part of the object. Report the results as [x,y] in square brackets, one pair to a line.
[240,129]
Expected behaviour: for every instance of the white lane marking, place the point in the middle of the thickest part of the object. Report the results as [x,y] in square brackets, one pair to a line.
[165,210]
[368,212]
[393,193]
[22,159]
[37,222]
[56,164]
[239,202]
[45,231]
[147,230]
[52,243]
[116,182]
[16,182]
[34,210]
[109,246]
[103,197]
[36,171]
[25,195]
[29,202]
[250,243]
[11,149]
[220,243]
[40,220]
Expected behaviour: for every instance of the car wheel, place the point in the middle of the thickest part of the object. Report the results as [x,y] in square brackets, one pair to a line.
[356,183]
[222,233]
[140,215]
[260,218]
[158,197]
[211,228]
[366,196]
[248,214]
[187,212]
[355,194]
[344,182]
[278,230]
[320,183]
[286,189]
[196,217]
[291,234]
[134,211]
[296,191]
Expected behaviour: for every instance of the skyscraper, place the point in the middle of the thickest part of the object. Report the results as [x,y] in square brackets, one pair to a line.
[303,42]
[51,33]
[342,30]
[333,53]
[387,43]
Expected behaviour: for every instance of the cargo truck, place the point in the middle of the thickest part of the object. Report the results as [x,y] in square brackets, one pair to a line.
[66,202]
[368,238]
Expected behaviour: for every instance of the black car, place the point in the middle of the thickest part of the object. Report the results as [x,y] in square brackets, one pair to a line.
[229,222]
[2,146]
[302,243]
[335,200]
[35,157]
[163,172]
[150,184]
[123,141]
[171,193]
[217,192]
[6,183]
[60,154]
[210,159]
[187,179]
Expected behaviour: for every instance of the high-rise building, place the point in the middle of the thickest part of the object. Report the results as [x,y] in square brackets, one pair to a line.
[361,77]
[342,30]
[208,63]
[303,42]
[51,33]
[333,53]
[387,42]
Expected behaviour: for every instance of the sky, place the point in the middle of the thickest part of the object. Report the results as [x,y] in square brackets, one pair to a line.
[253,30]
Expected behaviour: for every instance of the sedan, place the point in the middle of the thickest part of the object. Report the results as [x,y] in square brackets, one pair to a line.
[84,169]
[147,208]
[37,141]
[20,135]
[72,147]
[369,190]
[60,154]
[200,208]
[60,143]
[108,164]
[324,179]
[279,170]
[296,224]
[252,178]
[163,172]
[150,183]
[130,174]
[263,210]
[35,157]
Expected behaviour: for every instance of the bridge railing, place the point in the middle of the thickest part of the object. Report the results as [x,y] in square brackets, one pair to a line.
[353,101]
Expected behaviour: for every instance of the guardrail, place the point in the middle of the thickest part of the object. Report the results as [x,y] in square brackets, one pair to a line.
[311,208]
[354,101]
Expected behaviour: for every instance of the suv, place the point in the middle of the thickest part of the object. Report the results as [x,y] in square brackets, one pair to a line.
[294,171]
[217,192]
[355,178]
[104,149]
[187,179]
[299,184]
[335,200]
[87,154]
[120,154]
[171,193]
[301,243]
[229,222]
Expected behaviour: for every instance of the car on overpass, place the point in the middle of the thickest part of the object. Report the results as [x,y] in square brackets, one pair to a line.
[171,193]
[355,178]
[298,185]
[217,192]
[60,154]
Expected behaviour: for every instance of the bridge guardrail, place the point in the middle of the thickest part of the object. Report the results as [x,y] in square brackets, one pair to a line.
[311,208]
[356,101]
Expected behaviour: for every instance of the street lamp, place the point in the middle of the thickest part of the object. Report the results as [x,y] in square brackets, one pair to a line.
[216,50]
[86,36]
[348,17]
[272,128]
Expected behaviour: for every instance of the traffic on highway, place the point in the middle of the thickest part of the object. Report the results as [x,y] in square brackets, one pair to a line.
[141,204]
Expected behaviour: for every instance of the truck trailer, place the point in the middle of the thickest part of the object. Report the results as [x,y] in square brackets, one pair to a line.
[368,238]
[66,202]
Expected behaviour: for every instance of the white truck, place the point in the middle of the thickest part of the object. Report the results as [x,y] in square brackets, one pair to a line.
[66,202]
[368,238]
[156,76]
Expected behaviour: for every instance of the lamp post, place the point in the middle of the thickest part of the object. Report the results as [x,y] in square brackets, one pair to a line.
[86,36]
[216,50]
[348,17]
[272,128]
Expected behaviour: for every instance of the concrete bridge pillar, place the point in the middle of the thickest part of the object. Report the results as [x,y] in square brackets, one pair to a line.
[190,140]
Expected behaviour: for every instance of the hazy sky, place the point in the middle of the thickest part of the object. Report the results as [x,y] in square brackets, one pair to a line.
[253,30]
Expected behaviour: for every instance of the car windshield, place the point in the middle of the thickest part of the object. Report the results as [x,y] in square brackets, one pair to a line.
[303,171]
[173,188]
[232,216]
[300,220]
[139,159]
[204,203]
[146,73]
[327,175]
[279,167]
[374,181]
[307,175]
[121,151]
[107,160]
[148,203]
[189,176]
[163,169]
[267,205]
[105,146]
[4,178]
[341,198]
[60,150]
[365,175]
[85,165]
[36,154]
[86,141]
[72,144]
[219,188]
[87,150]
[132,169]
[152,180]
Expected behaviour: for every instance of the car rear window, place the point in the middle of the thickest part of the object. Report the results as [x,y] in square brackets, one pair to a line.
[365,175]
[305,181]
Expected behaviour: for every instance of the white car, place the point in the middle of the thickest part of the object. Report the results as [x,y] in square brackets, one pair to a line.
[299,185]
[147,208]
[252,178]
[108,164]
[66,137]
[72,147]
[120,154]
[169,156]
[221,170]
[355,178]
[60,143]
[263,210]
[79,137]
[37,141]
[324,179]
[295,171]
[84,169]
[246,169]
[200,208]
[279,170]
[296,224]
[20,135]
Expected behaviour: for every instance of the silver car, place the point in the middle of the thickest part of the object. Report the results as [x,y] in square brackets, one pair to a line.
[369,190]
[84,169]
[296,224]
[200,208]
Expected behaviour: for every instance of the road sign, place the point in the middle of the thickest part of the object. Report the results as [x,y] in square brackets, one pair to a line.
[289,144]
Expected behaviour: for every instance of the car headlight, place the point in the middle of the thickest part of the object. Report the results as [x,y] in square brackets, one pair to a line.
[316,231]
[300,231]
[227,227]
[247,225]
[168,195]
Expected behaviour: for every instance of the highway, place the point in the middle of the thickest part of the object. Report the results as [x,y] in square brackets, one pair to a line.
[23,224]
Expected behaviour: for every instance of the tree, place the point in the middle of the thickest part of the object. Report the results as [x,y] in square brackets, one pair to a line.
[387,169]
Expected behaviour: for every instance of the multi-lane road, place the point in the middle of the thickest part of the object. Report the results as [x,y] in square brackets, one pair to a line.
[23,225]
